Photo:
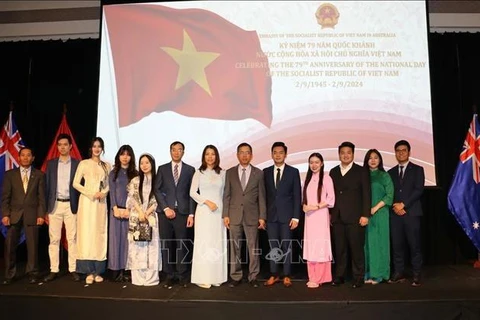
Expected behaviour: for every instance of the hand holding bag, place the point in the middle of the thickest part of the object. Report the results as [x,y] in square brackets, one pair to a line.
[142,231]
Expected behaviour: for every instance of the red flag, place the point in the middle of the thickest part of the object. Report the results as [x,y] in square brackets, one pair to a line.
[53,153]
[190,61]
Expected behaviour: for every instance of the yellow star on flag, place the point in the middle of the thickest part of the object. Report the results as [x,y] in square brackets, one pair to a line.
[191,63]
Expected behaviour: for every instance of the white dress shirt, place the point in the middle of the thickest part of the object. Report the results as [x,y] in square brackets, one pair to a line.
[63,179]
[344,170]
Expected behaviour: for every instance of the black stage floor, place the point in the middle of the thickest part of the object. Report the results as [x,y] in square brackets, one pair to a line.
[448,292]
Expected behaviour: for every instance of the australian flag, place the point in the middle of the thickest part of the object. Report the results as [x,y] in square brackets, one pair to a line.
[10,144]
[464,193]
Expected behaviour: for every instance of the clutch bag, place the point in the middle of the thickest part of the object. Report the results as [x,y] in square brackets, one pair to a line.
[142,232]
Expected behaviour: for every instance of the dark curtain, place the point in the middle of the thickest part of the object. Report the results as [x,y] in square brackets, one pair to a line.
[40,76]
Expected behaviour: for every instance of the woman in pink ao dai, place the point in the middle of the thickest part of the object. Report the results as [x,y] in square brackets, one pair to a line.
[318,196]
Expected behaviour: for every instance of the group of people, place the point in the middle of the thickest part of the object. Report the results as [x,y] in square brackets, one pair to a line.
[352,212]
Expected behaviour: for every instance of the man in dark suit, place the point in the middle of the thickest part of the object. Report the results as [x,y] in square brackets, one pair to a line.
[405,218]
[283,197]
[244,212]
[62,205]
[23,205]
[175,212]
[350,214]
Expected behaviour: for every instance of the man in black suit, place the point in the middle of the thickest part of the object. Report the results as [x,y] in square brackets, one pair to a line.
[350,214]
[175,212]
[62,205]
[23,205]
[283,196]
[405,218]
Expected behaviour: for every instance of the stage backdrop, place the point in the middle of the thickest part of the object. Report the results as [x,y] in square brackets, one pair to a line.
[311,74]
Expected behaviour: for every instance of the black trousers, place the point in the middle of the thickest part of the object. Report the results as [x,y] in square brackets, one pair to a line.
[349,237]
[11,244]
[175,244]
[405,232]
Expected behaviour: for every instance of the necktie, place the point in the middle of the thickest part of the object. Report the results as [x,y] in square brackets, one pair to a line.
[277,180]
[175,174]
[25,180]
[243,180]
[401,173]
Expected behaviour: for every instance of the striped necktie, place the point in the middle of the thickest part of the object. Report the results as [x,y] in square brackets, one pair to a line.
[175,174]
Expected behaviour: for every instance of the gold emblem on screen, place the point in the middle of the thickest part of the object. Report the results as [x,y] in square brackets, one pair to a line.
[327,15]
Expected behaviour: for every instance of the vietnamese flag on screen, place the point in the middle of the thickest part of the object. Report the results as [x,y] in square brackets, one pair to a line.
[189,61]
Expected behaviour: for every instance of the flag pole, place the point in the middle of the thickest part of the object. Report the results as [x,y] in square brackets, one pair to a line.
[476,265]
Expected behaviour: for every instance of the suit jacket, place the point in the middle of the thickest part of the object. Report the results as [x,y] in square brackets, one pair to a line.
[167,193]
[410,189]
[283,203]
[248,205]
[16,203]
[353,195]
[51,176]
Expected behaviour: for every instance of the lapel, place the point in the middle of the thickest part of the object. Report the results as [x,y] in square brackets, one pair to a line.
[235,177]
[55,174]
[406,170]
[72,170]
[182,173]
[396,180]
[269,177]
[250,182]
[18,178]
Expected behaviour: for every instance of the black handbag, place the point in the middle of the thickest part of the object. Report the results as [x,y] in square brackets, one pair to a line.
[142,231]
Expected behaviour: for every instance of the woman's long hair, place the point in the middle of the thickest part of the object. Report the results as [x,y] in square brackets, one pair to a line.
[367,157]
[131,170]
[141,175]
[309,177]
[216,164]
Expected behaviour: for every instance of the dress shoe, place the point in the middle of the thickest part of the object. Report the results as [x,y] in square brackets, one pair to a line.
[32,279]
[338,281]
[271,281]
[184,283]
[127,278]
[7,282]
[287,282]
[416,282]
[118,276]
[168,284]
[75,276]
[397,278]
[253,283]
[357,284]
[234,283]
[51,276]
